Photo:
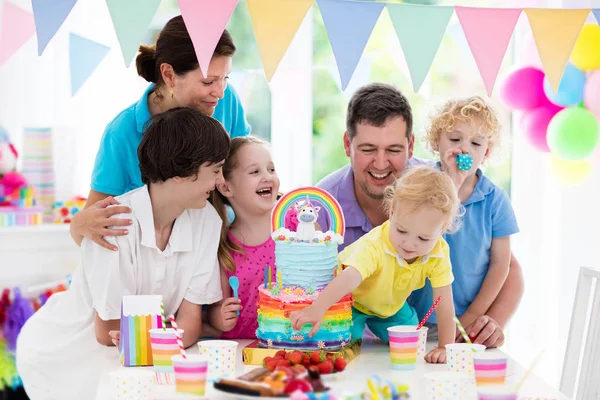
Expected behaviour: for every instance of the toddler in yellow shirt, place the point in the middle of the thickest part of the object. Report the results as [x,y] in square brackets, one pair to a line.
[386,265]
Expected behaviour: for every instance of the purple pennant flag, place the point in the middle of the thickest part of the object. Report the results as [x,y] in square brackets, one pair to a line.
[49,16]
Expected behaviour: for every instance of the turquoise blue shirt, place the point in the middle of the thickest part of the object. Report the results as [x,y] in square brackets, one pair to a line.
[117,171]
[488,215]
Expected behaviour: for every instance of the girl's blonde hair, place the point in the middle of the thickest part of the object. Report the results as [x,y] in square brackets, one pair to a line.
[226,245]
[473,110]
[426,187]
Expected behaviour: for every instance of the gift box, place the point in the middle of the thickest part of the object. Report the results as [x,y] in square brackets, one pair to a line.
[139,314]
[254,355]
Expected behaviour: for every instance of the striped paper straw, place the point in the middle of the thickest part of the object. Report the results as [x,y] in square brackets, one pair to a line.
[426,317]
[178,334]
[462,330]
[162,315]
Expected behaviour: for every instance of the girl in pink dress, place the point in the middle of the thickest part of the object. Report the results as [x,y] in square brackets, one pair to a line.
[250,187]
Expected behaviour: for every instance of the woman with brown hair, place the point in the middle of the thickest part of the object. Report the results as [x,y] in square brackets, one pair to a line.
[172,67]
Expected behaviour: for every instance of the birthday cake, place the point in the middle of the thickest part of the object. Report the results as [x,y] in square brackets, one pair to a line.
[306,261]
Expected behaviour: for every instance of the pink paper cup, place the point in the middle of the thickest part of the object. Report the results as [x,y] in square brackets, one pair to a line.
[404,344]
[490,368]
[496,393]
[164,347]
[190,374]
[460,356]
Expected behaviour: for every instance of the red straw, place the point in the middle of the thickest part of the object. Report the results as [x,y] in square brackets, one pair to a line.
[428,313]
[178,335]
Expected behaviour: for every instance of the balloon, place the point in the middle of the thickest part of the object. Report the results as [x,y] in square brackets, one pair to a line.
[586,53]
[591,93]
[535,125]
[570,90]
[573,133]
[523,89]
[570,172]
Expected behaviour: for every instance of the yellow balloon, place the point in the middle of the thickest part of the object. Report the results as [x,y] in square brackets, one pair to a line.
[586,53]
[570,172]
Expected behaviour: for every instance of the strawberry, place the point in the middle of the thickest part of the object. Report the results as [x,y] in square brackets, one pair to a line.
[316,357]
[329,356]
[281,353]
[271,365]
[314,368]
[267,360]
[339,364]
[326,367]
[295,358]
[284,363]
[278,358]
[306,361]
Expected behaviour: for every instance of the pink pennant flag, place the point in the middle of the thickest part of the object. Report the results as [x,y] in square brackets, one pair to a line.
[205,21]
[488,31]
[17,27]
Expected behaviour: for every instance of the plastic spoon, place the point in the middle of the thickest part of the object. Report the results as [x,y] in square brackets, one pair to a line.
[234,282]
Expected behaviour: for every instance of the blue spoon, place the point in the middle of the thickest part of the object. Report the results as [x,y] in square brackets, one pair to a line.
[234,282]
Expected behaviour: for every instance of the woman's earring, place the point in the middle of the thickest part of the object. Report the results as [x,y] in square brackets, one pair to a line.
[171,92]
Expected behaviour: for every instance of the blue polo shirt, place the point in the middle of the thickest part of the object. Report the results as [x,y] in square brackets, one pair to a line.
[488,215]
[117,171]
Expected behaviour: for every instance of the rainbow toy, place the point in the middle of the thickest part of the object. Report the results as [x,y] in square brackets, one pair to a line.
[139,314]
[317,196]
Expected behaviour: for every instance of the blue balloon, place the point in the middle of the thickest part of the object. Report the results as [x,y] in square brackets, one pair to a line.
[570,90]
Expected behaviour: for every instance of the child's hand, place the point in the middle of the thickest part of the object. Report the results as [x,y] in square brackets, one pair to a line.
[436,356]
[228,313]
[458,176]
[116,337]
[310,315]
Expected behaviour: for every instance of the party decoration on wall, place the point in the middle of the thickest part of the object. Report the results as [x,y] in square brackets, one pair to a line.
[573,133]
[131,20]
[555,33]
[49,16]
[488,32]
[570,90]
[535,125]
[84,57]
[429,24]
[275,24]
[16,28]
[522,89]
[586,53]
[205,21]
[596,12]
[349,25]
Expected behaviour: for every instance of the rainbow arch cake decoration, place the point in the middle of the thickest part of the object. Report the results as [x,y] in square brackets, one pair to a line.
[306,261]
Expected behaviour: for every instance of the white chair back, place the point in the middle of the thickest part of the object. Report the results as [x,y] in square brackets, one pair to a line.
[580,378]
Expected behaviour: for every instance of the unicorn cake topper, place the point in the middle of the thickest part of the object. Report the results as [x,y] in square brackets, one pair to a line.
[307,217]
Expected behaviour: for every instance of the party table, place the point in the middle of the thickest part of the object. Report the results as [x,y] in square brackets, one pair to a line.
[374,359]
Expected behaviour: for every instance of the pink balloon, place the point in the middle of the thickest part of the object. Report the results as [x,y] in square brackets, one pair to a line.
[535,124]
[591,93]
[523,89]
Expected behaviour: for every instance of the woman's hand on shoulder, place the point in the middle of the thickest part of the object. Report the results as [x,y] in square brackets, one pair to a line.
[229,316]
[95,222]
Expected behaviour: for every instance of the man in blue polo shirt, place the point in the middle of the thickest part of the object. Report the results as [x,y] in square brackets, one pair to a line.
[379,142]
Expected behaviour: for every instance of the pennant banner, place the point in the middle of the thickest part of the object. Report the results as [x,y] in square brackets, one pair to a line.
[349,25]
[205,21]
[275,24]
[596,12]
[131,19]
[16,28]
[428,23]
[555,33]
[488,31]
[84,56]
[49,16]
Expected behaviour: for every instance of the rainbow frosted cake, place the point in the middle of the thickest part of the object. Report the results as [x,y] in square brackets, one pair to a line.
[306,261]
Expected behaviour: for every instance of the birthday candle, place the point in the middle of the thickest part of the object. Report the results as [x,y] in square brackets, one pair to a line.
[270,277]
[266,275]
[279,280]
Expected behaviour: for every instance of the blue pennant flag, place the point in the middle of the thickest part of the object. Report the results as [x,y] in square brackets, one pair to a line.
[596,12]
[84,56]
[49,15]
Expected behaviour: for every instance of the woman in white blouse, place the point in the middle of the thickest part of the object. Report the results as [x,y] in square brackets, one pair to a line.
[170,250]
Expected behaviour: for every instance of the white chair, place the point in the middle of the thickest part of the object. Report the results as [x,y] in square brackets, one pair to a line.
[581,369]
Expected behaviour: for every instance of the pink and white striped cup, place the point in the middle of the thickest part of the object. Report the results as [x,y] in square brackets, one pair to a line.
[490,368]
[190,373]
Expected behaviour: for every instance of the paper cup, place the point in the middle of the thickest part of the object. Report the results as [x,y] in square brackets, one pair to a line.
[460,356]
[422,350]
[132,384]
[496,393]
[164,346]
[446,386]
[190,373]
[221,355]
[490,368]
[404,343]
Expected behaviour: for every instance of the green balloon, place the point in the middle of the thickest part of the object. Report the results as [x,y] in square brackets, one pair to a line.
[573,133]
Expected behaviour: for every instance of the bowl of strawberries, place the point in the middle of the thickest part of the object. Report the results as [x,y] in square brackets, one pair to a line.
[325,363]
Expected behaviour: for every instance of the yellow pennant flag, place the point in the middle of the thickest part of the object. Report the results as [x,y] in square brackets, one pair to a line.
[555,32]
[275,24]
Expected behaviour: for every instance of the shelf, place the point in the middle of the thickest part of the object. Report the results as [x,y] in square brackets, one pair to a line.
[44,228]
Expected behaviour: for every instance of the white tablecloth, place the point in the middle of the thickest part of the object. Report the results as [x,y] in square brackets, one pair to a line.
[374,359]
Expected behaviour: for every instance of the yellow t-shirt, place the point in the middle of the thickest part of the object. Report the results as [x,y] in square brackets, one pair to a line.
[388,279]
